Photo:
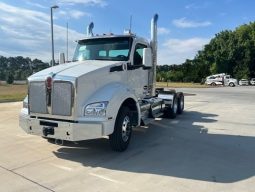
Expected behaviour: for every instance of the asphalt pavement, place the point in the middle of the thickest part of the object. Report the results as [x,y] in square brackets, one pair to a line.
[210,147]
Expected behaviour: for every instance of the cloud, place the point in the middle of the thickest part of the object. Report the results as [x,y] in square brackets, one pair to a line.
[176,51]
[190,6]
[185,23]
[36,4]
[27,33]
[100,3]
[76,14]
[201,5]
[163,31]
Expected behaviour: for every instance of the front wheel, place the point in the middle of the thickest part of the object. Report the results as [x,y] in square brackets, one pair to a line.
[120,138]
[231,84]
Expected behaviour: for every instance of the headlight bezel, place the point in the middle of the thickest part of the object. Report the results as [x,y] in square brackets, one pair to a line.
[25,102]
[96,109]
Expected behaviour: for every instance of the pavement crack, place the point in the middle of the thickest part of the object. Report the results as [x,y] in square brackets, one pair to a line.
[26,178]
[31,163]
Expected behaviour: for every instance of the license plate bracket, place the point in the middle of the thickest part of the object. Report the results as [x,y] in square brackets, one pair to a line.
[49,130]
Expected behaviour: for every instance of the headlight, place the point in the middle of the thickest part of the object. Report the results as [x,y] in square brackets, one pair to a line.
[96,109]
[25,102]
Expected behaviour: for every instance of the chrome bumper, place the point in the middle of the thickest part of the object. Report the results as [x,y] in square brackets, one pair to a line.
[70,131]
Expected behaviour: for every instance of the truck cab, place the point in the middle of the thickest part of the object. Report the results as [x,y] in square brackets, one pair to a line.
[127,50]
[106,90]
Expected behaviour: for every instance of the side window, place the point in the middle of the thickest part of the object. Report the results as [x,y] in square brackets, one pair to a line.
[138,54]
[102,53]
[84,53]
[118,53]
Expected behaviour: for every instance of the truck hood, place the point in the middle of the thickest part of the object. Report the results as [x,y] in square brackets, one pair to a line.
[74,69]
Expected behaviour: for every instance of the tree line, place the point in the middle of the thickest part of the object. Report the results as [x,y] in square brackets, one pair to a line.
[19,68]
[231,52]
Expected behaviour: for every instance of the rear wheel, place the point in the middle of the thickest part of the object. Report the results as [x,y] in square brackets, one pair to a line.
[171,112]
[180,104]
[213,84]
[120,138]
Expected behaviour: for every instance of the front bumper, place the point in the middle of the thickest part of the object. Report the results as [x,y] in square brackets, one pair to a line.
[70,131]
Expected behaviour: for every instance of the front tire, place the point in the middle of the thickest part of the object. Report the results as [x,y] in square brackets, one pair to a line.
[120,138]
[231,84]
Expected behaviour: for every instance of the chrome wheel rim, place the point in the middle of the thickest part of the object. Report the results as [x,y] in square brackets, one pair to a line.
[126,129]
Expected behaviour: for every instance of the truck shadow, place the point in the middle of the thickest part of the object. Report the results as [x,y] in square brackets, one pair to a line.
[180,148]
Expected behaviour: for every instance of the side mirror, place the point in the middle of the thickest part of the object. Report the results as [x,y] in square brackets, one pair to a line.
[147,57]
[61,58]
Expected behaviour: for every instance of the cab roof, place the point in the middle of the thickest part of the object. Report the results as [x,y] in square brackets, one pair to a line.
[115,36]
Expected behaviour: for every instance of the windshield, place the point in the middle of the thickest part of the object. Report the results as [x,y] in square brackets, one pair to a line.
[113,49]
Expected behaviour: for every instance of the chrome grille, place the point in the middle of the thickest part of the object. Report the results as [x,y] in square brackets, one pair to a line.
[62,98]
[37,97]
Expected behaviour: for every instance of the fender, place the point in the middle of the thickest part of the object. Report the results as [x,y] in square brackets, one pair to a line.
[115,93]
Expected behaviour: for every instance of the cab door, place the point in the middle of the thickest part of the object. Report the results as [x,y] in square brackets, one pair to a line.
[226,80]
[137,74]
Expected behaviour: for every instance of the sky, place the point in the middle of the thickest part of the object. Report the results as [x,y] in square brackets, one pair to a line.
[184,26]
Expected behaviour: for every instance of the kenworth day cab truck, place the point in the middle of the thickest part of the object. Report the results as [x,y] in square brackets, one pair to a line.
[108,89]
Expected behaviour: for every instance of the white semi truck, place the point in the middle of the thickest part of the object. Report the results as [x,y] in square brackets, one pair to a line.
[221,79]
[108,89]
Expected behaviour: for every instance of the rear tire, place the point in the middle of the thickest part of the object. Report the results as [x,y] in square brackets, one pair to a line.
[120,138]
[171,112]
[213,84]
[180,103]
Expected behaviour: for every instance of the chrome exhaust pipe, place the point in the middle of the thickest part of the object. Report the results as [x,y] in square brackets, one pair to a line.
[154,45]
[90,29]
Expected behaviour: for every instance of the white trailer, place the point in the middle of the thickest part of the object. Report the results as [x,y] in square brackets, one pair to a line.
[108,89]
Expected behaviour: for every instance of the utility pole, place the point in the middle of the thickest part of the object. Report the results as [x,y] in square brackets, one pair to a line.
[67,42]
[52,39]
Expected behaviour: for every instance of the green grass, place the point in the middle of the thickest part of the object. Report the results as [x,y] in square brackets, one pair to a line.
[180,85]
[11,93]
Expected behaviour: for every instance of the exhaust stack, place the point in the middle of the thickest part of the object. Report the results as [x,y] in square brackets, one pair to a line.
[154,45]
[89,29]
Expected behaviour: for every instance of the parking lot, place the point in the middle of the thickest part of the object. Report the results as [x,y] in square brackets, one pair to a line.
[211,147]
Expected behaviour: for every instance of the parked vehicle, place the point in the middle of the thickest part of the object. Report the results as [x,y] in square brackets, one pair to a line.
[252,81]
[221,79]
[108,89]
[243,82]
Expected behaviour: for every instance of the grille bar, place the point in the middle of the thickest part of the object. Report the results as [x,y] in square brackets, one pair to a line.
[37,98]
[62,96]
